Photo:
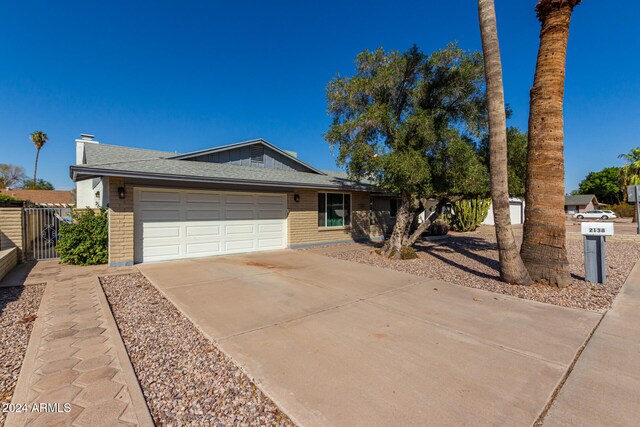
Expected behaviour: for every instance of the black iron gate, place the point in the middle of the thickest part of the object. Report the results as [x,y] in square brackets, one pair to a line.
[41,226]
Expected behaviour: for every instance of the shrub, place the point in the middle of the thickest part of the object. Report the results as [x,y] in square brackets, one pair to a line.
[407,252]
[7,198]
[85,240]
[438,228]
[623,210]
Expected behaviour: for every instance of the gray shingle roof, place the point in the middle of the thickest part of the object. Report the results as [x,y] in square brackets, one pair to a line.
[578,199]
[111,160]
[96,154]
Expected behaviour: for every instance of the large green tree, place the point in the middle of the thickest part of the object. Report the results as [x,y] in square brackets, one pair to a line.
[409,122]
[605,184]
[40,184]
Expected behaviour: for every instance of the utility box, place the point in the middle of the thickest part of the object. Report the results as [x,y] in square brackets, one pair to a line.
[595,250]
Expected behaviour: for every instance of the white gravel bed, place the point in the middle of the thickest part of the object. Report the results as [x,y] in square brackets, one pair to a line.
[473,261]
[18,310]
[185,378]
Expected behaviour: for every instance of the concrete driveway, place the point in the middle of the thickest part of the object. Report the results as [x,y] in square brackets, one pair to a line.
[338,343]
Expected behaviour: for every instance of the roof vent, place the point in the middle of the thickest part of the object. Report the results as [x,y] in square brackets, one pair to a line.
[87,136]
[257,154]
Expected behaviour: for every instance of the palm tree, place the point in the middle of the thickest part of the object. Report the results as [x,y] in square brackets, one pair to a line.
[630,174]
[39,138]
[512,269]
[544,249]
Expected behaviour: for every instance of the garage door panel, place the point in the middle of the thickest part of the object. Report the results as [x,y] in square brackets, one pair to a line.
[234,214]
[233,229]
[150,215]
[208,248]
[203,230]
[204,215]
[176,224]
[162,251]
[159,196]
[270,200]
[248,199]
[271,228]
[208,198]
[164,231]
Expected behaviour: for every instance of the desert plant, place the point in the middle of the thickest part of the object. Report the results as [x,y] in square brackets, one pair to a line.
[85,240]
[623,210]
[438,228]
[468,214]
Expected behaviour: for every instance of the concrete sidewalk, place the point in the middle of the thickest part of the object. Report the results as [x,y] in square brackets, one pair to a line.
[338,343]
[76,356]
[604,387]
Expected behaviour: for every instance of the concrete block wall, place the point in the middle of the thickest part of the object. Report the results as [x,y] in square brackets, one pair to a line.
[8,260]
[11,230]
[302,222]
[121,223]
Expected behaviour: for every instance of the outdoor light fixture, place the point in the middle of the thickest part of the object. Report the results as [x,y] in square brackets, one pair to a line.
[97,194]
[296,198]
[121,192]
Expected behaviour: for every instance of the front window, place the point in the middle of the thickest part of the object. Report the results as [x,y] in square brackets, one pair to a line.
[393,208]
[334,210]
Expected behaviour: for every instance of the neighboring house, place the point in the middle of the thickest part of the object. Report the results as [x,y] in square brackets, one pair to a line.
[580,203]
[516,209]
[52,198]
[244,197]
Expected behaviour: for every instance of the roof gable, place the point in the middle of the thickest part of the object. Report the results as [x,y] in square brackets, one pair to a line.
[579,199]
[201,154]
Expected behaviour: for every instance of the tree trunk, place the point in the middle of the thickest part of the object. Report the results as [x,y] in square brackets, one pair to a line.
[35,168]
[544,248]
[429,219]
[512,269]
[392,247]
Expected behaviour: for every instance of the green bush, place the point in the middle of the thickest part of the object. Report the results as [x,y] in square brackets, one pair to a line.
[7,198]
[468,214]
[85,240]
[623,210]
[438,228]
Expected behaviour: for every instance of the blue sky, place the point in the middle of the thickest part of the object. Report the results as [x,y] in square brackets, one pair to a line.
[182,76]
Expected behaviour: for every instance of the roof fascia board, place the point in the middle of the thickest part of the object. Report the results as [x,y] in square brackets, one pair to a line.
[81,174]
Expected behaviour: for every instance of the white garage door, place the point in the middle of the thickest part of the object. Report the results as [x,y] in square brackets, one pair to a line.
[177,224]
[515,209]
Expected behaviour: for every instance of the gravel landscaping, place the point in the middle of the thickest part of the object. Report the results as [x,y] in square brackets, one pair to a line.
[185,378]
[18,310]
[473,261]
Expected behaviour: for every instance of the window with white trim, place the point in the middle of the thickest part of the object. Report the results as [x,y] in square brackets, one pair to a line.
[334,210]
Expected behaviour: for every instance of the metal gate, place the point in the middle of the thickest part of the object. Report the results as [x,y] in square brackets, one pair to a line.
[41,225]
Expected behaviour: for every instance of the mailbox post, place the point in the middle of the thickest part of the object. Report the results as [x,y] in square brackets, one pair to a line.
[595,250]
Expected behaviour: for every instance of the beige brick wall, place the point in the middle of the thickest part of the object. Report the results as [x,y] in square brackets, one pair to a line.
[302,222]
[8,260]
[11,230]
[120,224]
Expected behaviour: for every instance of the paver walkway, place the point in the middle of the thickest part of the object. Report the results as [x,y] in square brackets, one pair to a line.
[76,357]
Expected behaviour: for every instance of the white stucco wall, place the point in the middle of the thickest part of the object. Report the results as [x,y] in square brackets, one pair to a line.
[516,204]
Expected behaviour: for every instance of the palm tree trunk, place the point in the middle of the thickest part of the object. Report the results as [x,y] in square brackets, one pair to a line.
[544,249]
[35,169]
[512,269]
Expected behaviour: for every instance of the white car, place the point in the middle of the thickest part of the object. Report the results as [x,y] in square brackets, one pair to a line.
[595,214]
